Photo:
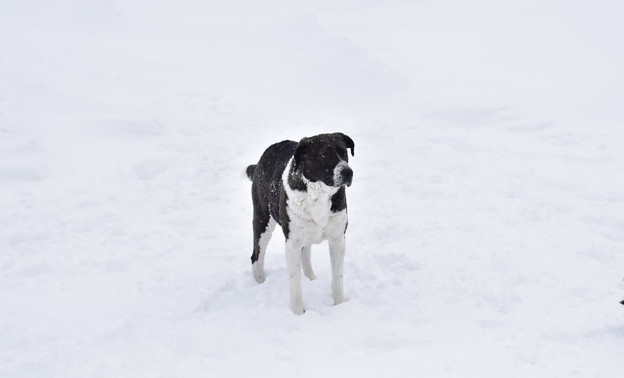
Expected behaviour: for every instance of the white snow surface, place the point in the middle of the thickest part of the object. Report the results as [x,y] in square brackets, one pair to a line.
[486,215]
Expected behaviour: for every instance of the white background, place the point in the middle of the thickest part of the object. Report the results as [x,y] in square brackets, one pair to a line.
[486,230]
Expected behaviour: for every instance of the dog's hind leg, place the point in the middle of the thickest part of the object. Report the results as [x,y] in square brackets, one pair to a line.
[261,241]
[306,259]
[263,226]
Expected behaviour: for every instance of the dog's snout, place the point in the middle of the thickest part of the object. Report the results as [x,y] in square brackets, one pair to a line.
[347,176]
[343,174]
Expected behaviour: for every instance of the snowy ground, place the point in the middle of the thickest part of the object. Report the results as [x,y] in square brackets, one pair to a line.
[486,232]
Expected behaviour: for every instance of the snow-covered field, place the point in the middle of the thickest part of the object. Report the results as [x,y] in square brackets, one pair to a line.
[486,230]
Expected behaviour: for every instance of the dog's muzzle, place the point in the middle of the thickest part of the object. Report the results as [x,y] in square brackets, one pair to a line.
[343,174]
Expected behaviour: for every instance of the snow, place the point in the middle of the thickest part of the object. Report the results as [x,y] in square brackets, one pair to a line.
[486,215]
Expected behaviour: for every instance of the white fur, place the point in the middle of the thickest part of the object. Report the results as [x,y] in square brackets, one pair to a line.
[306,259]
[338,171]
[258,266]
[337,248]
[313,204]
[311,222]
[293,264]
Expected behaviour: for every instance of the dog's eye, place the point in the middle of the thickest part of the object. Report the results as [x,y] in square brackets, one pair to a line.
[323,156]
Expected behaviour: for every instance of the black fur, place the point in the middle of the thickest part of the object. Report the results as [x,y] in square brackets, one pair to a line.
[266,188]
[317,156]
[250,171]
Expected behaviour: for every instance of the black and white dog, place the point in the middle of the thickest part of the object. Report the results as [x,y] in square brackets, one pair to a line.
[301,187]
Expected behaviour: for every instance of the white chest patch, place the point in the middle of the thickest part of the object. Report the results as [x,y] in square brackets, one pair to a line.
[311,219]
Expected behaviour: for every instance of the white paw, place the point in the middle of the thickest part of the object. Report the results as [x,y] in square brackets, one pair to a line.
[340,300]
[297,308]
[258,273]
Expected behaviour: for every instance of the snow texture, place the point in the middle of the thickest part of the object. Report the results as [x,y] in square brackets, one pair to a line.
[486,215]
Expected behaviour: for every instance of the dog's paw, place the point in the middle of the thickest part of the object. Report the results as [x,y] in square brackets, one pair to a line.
[297,308]
[311,276]
[259,277]
[340,300]
[258,273]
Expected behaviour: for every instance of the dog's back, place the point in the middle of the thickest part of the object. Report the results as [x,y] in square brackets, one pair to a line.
[267,175]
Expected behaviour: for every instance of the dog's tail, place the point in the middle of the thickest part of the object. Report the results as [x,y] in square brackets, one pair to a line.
[250,171]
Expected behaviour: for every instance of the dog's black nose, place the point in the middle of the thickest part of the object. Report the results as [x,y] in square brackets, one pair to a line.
[347,176]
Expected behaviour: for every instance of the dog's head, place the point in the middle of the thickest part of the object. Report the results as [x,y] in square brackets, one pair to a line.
[324,158]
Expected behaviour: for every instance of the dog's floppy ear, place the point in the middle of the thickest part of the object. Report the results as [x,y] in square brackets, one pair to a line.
[300,151]
[348,141]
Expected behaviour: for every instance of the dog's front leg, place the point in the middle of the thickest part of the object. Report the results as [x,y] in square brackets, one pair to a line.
[293,264]
[306,257]
[337,249]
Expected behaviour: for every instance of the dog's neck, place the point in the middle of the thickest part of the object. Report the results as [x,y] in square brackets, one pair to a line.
[294,178]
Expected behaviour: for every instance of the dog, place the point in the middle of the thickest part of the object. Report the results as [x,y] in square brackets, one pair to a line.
[301,187]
